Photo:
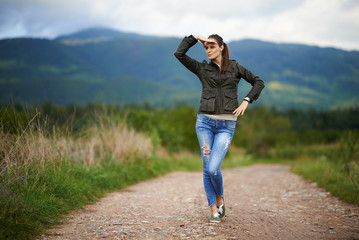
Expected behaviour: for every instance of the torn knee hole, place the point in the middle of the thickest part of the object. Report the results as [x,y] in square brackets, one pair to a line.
[206,150]
[227,143]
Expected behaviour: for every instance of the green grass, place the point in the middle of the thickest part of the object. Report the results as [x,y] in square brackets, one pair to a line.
[331,176]
[334,168]
[35,199]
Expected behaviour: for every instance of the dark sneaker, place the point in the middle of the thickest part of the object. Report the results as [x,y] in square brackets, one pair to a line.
[222,211]
[215,218]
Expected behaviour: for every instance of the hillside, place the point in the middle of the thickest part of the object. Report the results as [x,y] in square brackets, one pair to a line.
[108,66]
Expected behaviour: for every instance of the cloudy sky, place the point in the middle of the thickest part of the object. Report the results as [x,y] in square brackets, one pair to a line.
[333,23]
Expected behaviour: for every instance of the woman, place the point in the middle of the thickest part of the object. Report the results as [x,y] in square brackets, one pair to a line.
[218,110]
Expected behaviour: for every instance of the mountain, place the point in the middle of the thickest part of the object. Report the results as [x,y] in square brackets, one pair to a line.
[109,66]
[303,75]
[98,34]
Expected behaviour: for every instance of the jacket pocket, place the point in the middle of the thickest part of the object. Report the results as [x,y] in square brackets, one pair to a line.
[208,102]
[230,100]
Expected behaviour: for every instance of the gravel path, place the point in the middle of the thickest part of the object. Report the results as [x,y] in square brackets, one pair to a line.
[262,201]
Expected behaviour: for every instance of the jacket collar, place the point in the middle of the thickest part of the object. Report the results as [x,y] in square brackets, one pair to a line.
[213,64]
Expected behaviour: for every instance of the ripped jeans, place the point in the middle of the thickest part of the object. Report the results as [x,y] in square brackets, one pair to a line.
[214,138]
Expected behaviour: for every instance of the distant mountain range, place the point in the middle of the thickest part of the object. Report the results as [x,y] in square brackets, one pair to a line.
[108,66]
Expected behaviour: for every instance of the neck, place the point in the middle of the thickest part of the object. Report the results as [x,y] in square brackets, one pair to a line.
[218,61]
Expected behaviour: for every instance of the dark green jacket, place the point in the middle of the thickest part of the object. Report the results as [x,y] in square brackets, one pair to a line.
[219,91]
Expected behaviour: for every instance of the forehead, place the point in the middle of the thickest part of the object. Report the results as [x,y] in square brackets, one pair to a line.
[210,44]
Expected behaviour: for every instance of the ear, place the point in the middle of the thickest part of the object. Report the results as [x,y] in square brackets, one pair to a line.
[222,47]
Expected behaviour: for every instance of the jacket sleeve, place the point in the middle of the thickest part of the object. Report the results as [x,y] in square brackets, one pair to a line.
[256,82]
[180,54]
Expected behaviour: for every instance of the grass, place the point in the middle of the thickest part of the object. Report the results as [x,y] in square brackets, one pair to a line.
[335,169]
[330,175]
[44,174]
[33,199]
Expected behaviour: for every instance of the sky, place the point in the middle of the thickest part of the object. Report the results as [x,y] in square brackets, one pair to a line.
[324,23]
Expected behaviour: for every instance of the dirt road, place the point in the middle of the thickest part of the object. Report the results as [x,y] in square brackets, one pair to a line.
[263,202]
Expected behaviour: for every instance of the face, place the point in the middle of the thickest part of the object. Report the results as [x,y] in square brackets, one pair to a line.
[213,50]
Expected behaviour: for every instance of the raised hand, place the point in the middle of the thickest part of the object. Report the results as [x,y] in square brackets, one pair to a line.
[204,40]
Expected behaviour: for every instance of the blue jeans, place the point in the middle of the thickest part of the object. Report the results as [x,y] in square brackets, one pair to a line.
[214,138]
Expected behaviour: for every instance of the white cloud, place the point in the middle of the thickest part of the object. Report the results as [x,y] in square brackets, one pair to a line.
[316,22]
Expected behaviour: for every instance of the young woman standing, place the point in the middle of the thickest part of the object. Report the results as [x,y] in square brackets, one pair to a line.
[218,110]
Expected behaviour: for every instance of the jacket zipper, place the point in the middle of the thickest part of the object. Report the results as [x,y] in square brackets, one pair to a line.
[219,92]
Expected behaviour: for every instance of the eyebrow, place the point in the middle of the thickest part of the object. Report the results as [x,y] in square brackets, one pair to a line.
[210,44]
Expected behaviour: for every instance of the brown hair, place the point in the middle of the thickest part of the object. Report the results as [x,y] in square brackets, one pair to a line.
[225,52]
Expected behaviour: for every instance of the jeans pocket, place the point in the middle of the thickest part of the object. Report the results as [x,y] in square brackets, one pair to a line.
[202,119]
[230,124]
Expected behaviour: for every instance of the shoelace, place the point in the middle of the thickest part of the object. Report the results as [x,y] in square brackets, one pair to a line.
[220,209]
[216,215]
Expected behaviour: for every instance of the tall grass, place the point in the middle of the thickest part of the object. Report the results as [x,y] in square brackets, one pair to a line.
[44,173]
[104,139]
[335,169]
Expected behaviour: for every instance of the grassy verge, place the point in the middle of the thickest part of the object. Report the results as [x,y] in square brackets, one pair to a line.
[331,176]
[34,199]
[336,168]
[46,173]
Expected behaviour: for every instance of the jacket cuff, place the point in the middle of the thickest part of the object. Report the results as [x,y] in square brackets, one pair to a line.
[192,38]
[248,99]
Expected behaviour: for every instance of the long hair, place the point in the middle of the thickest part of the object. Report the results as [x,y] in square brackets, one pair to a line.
[225,52]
